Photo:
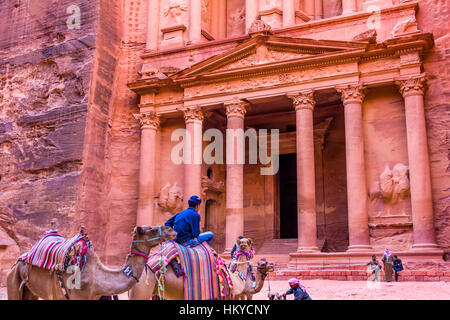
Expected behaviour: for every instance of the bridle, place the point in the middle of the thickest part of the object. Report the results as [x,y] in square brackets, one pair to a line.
[150,239]
[136,252]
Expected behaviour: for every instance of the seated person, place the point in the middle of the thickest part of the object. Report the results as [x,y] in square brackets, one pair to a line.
[187,225]
[397,266]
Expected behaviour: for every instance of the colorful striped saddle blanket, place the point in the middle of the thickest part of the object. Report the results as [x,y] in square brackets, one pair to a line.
[53,250]
[201,281]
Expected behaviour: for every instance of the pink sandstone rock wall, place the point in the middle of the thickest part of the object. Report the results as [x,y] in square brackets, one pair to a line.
[433,16]
[45,74]
[94,196]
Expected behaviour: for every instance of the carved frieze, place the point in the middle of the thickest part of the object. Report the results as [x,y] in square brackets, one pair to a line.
[262,56]
[265,81]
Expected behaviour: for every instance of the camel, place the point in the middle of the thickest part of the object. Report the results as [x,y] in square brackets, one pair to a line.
[173,286]
[25,282]
[262,269]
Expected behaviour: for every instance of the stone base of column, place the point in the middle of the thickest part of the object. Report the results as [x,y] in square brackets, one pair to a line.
[359,248]
[307,250]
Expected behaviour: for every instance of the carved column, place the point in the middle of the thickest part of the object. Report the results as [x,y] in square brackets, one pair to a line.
[358,222]
[318,9]
[234,222]
[152,25]
[348,6]
[195,21]
[149,122]
[412,89]
[193,117]
[288,13]
[306,191]
[251,13]
[219,19]
[309,8]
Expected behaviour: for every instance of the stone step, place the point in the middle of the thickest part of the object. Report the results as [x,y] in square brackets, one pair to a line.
[278,246]
[358,275]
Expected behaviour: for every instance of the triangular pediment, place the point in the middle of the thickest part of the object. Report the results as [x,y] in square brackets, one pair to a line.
[265,52]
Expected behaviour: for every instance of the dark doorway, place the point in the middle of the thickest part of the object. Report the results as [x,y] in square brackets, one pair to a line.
[288,196]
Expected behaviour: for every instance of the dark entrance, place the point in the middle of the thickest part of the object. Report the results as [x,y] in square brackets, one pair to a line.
[288,195]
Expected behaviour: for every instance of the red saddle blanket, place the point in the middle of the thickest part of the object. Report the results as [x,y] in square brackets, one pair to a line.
[203,278]
[54,250]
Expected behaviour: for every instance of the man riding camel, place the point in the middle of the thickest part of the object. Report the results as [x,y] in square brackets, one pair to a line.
[187,225]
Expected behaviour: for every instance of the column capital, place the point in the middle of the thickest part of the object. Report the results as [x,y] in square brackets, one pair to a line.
[303,100]
[194,113]
[237,108]
[412,85]
[352,93]
[148,120]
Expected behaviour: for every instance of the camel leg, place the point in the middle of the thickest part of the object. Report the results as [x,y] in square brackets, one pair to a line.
[13,283]
[28,295]
[140,290]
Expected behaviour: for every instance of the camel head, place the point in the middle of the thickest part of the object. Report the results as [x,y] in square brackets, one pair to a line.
[146,237]
[265,266]
[245,244]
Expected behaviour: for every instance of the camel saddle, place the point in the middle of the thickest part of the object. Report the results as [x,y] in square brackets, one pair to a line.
[202,268]
[53,251]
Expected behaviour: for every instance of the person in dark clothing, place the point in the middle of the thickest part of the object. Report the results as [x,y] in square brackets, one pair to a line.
[235,248]
[397,266]
[298,290]
[187,225]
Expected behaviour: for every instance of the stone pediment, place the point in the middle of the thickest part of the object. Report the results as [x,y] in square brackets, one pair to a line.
[265,52]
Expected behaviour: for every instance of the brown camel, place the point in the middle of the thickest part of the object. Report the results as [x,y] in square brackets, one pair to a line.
[262,269]
[26,283]
[147,287]
[174,286]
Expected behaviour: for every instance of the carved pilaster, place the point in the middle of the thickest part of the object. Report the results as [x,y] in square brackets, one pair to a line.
[148,120]
[412,85]
[193,114]
[303,100]
[353,93]
[236,109]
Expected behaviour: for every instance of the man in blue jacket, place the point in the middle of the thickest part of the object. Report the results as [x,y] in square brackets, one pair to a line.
[187,225]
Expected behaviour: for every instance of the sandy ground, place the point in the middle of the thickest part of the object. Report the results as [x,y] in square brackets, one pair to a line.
[352,290]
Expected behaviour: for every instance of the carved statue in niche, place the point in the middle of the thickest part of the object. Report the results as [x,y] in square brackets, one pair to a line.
[393,185]
[173,11]
[171,198]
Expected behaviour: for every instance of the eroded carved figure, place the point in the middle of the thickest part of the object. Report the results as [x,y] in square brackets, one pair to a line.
[404,26]
[171,198]
[393,185]
[173,11]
